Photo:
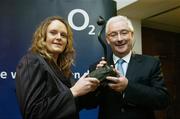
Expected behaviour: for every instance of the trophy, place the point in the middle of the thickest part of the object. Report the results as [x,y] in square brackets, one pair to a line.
[106,70]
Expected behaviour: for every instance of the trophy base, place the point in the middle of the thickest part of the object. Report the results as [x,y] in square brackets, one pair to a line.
[102,73]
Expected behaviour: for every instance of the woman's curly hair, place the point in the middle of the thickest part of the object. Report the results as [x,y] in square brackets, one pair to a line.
[66,58]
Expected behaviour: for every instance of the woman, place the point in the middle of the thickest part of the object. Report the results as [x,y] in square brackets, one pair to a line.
[43,76]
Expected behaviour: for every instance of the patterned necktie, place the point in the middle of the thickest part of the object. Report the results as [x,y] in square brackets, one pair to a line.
[119,66]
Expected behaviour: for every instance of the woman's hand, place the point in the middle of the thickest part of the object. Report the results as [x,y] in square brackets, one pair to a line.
[84,85]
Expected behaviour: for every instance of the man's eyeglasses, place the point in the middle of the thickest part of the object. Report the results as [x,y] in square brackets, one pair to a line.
[114,34]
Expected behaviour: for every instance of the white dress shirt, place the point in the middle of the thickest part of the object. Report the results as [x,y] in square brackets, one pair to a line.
[125,64]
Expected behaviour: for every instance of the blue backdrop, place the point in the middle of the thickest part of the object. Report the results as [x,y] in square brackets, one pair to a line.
[18,21]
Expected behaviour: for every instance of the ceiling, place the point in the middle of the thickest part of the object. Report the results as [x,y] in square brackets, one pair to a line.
[160,14]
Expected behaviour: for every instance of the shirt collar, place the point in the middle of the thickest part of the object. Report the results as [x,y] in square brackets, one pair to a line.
[125,58]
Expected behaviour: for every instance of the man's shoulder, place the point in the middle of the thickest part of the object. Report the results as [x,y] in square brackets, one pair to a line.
[145,57]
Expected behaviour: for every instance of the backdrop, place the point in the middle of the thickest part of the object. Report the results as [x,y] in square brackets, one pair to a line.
[18,21]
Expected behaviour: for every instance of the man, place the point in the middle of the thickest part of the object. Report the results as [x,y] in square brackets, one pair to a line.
[139,89]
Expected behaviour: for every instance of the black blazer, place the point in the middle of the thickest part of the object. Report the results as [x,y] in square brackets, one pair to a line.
[43,91]
[145,92]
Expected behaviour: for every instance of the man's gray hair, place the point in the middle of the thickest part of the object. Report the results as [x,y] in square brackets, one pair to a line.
[119,18]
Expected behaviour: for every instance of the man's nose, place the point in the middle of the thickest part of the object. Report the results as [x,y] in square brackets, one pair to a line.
[119,36]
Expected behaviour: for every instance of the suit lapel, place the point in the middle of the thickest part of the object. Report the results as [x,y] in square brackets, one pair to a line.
[131,70]
[131,66]
[59,74]
[54,71]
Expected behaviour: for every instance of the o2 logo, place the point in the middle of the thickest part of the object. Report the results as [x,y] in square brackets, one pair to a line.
[84,25]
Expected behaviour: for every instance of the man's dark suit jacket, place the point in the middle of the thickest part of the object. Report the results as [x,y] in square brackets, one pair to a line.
[43,91]
[145,92]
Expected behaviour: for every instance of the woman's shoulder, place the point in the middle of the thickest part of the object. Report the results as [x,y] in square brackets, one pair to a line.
[32,58]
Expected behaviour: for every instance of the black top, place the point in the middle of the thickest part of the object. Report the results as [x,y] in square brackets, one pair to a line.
[43,92]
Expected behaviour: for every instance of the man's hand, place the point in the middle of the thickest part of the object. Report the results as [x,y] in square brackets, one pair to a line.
[118,84]
[101,63]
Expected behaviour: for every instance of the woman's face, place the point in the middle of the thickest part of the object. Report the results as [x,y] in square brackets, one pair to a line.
[56,37]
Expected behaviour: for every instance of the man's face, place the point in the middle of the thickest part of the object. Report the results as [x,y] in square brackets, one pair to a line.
[120,38]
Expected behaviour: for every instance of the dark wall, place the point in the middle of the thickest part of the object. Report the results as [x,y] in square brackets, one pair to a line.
[166,45]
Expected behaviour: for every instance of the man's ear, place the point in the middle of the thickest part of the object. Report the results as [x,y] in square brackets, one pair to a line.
[133,40]
[132,33]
